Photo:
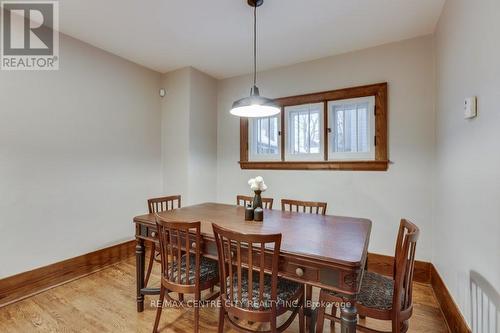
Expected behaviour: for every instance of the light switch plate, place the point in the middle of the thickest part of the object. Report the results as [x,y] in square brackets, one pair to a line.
[470,108]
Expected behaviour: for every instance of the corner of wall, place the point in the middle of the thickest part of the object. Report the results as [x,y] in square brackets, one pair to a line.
[189,134]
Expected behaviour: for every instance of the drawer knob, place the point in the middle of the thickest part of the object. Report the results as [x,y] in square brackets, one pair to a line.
[153,234]
[299,271]
[193,245]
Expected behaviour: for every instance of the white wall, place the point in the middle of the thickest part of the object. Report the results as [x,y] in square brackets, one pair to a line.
[203,142]
[175,132]
[405,190]
[467,221]
[189,135]
[79,153]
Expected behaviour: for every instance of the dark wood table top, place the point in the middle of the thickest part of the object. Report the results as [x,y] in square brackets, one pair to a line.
[332,239]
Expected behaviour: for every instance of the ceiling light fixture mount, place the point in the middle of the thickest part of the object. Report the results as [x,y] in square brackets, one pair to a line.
[255,3]
[255,105]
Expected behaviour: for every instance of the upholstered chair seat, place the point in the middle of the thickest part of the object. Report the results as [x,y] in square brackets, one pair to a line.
[208,269]
[287,290]
[376,292]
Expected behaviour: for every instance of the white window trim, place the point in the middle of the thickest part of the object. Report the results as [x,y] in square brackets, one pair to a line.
[251,149]
[369,156]
[305,156]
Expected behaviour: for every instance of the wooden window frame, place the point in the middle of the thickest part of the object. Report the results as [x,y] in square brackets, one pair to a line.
[381,161]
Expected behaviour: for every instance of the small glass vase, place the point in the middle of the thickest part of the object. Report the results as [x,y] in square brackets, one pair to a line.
[257,200]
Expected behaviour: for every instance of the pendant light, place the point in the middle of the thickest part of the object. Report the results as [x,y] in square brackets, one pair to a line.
[255,105]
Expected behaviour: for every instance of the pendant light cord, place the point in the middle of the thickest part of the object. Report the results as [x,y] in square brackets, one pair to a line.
[255,44]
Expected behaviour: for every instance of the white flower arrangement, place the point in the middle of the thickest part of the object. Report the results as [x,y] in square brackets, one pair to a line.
[257,184]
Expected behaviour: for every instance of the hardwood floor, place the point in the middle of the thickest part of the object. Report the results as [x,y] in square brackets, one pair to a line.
[105,302]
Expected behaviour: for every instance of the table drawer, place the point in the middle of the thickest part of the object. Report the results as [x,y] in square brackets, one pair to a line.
[147,232]
[299,271]
[152,233]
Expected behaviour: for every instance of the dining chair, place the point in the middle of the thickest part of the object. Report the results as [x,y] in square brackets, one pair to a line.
[157,205]
[382,297]
[183,268]
[311,207]
[248,293]
[243,200]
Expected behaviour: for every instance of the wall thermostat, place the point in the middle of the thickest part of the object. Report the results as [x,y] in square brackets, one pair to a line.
[470,107]
[163,92]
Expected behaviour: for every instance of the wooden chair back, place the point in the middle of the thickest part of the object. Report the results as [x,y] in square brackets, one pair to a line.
[311,207]
[176,239]
[404,264]
[243,200]
[157,205]
[241,254]
[485,305]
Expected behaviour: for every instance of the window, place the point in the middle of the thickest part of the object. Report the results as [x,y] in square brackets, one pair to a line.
[342,129]
[351,129]
[264,142]
[304,125]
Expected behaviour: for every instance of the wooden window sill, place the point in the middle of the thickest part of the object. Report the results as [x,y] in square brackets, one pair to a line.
[320,165]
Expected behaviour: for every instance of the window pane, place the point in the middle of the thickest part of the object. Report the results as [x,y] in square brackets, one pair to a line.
[304,129]
[265,136]
[350,127]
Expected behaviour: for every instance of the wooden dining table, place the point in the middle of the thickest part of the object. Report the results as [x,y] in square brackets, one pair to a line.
[318,250]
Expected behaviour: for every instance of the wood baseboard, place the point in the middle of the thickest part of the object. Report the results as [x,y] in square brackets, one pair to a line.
[454,318]
[383,264]
[23,285]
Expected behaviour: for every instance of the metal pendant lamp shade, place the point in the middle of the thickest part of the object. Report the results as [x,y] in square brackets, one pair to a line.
[255,106]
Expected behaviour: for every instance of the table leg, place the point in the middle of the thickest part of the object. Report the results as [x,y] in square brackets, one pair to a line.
[139,269]
[349,318]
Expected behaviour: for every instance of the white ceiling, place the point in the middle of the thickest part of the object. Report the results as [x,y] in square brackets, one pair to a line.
[216,36]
